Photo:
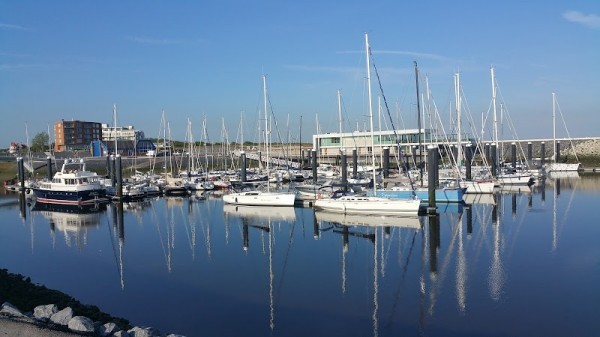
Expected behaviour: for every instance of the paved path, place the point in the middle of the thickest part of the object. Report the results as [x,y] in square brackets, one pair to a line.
[15,327]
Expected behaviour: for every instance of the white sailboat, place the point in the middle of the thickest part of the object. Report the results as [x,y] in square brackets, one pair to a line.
[353,204]
[555,166]
[477,185]
[506,178]
[262,198]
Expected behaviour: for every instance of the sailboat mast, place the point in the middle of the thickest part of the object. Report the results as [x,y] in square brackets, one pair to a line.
[458,120]
[554,126]
[190,148]
[339,99]
[115,126]
[266,122]
[300,141]
[367,51]
[419,121]
[495,130]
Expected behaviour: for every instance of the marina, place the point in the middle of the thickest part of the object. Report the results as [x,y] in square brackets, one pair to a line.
[520,261]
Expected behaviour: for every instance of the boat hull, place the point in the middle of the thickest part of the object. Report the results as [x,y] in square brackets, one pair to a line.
[81,197]
[257,198]
[515,179]
[449,195]
[369,205]
[563,167]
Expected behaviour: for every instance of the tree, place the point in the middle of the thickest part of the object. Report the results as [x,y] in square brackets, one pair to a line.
[40,142]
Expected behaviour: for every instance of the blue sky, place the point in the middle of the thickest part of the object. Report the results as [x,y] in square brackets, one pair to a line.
[204,60]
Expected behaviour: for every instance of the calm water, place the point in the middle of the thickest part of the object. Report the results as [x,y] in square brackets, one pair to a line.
[520,263]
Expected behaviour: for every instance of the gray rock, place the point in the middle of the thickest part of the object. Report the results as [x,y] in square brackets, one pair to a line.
[174,335]
[44,312]
[121,333]
[62,317]
[81,324]
[143,332]
[107,329]
[11,310]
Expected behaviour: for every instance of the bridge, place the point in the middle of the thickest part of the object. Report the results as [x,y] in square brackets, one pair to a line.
[259,156]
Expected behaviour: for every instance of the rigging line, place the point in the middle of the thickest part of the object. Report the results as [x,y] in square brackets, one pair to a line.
[387,108]
[287,253]
[402,278]
[283,148]
[187,225]
[562,117]
[159,232]
[348,122]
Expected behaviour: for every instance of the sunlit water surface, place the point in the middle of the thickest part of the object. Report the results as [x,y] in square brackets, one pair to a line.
[522,262]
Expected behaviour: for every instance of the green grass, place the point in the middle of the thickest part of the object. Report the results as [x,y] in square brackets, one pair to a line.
[8,170]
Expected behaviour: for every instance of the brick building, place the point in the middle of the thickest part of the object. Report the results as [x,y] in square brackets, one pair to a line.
[75,135]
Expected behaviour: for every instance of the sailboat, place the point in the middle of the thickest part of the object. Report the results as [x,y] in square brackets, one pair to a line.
[262,198]
[355,204]
[556,166]
[511,177]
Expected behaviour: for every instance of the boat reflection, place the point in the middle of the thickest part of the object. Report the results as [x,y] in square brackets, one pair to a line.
[564,175]
[260,212]
[74,221]
[480,198]
[370,221]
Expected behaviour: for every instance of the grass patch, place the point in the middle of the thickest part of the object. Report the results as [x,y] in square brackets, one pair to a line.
[589,161]
[8,170]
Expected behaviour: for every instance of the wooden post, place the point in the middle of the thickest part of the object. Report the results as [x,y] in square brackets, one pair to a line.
[243,166]
[432,172]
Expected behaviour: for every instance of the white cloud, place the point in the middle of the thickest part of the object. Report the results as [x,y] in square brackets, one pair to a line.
[13,67]
[11,26]
[400,52]
[588,20]
[153,40]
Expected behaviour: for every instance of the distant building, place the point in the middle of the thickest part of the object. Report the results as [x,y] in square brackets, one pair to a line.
[331,144]
[16,147]
[143,146]
[121,133]
[75,135]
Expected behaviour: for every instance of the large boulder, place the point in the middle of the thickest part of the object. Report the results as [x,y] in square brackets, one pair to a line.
[11,310]
[143,332]
[62,317]
[44,312]
[107,329]
[81,324]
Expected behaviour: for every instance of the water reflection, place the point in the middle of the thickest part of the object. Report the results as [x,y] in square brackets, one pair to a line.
[383,274]
[117,233]
[75,222]
[262,221]
[381,232]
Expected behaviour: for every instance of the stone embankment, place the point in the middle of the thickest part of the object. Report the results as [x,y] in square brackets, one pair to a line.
[586,148]
[48,321]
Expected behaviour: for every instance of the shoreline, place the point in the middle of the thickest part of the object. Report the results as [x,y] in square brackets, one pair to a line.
[20,315]
[25,295]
